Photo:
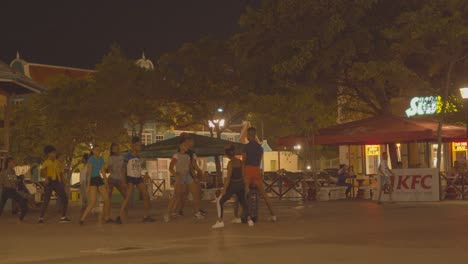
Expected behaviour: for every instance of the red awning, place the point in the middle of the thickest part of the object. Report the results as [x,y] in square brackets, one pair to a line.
[380,130]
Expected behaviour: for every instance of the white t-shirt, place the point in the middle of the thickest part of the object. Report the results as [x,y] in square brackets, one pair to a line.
[133,164]
[383,168]
[182,162]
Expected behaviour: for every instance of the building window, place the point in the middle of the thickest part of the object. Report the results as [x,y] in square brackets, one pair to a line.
[147,137]
[159,138]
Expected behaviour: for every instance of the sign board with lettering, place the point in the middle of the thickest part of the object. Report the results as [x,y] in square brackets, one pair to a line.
[372,150]
[428,105]
[413,185]
[459,146]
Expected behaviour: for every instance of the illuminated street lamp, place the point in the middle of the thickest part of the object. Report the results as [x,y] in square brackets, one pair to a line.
[297,147]
[213,123]
[464,95]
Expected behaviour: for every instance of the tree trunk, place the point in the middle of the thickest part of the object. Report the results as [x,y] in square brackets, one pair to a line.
[442,114]
[392,149]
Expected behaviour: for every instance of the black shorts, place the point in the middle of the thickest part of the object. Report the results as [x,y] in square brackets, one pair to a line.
[134,181]
[97,181]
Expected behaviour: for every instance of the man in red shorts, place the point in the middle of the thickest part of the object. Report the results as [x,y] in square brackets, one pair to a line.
[253,153]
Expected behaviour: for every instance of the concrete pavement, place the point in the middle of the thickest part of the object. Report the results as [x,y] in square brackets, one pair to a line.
[314,232]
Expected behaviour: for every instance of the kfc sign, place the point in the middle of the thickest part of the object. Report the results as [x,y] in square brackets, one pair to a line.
[415,185]
[412,182]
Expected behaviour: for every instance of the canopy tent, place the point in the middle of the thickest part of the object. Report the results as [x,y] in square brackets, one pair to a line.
[379,130]
[204,147]
[13,83]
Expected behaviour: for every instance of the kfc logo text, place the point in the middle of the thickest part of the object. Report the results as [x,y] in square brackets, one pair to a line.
[412,182]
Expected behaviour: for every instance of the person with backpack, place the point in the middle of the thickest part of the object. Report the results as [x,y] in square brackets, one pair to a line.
[9,183]
[182,168]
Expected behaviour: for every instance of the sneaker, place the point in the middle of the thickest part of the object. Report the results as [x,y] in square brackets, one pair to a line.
[219,224]
[81,223]
[118,220]
[167,218]
[273,218]
[203,212]
[148,219]
[64,220]
[109,221]
[251,223]
[199,216]
[40,221]
[236,221]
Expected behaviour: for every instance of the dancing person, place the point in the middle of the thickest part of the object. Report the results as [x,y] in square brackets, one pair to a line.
[252,156]
[181,167]
[84,182]
[95,183]
[53,174]
[196,174]
[9,183]
[235,185]
[385,183]
[116,169]
[133,177]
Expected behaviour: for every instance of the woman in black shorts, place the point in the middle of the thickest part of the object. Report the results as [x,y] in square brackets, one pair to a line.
[95,183]
[235,185]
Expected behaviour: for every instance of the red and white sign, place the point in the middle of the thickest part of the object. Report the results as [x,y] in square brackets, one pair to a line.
[411,185]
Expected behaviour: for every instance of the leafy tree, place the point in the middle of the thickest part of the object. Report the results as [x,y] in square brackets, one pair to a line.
[207,87]
[336,46]
[432,41]
[129,92]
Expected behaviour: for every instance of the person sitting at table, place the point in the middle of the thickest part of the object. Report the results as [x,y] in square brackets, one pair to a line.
[344,174]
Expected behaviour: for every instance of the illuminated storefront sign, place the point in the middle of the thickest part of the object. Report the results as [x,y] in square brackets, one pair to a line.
[459,146]
[423,106]
[372,150]
[428,105]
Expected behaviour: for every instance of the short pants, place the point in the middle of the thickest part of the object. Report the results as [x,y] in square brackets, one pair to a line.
[184,179]
[96,181]
[134,180]
[253,175]
[115,182]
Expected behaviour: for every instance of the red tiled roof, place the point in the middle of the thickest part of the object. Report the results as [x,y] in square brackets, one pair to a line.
[42,73]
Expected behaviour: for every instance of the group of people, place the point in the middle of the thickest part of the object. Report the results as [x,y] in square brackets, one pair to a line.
[124,173]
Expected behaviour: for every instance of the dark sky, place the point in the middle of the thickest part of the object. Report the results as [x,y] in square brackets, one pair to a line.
[78,33]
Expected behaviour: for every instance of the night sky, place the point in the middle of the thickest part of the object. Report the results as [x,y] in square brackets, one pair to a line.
[78,33]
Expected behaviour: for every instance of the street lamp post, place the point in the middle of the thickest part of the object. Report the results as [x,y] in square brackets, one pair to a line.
[464,95]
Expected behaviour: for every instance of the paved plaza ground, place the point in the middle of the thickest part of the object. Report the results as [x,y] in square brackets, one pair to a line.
[314,232]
